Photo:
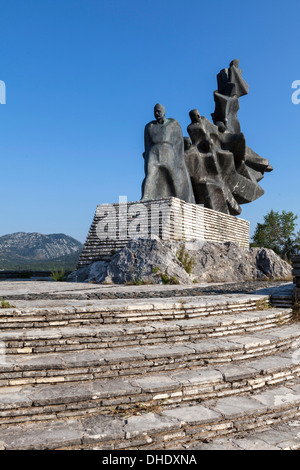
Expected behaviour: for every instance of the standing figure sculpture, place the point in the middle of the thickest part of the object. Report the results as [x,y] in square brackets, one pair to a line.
[166,174]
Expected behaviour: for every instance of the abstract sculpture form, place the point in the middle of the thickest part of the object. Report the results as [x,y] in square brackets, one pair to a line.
[223,170]
[166,174]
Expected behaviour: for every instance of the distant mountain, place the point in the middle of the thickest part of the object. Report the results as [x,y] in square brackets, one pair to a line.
[35,251]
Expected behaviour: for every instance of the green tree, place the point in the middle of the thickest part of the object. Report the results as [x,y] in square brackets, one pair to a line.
[278,233]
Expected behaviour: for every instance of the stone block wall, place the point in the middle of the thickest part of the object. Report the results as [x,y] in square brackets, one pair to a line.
[296,274]
[169,219]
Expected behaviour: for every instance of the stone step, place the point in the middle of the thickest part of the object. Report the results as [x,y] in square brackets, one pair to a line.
[283,304]
[103,363]
[174,372]
[135,395]
[171,428]
[16,291]
[283,296]
[72,338]
[78,313]
[282,436]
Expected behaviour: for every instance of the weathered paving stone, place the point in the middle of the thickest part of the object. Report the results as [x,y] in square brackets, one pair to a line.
[15,397]
[249,342]
[133,354]
[47,436]
[270,364]
[89,358]
[193,415]
[108,388]
[154,352]
[57,394]
[234,407]
[150,423]
[39,363]
[217,444]
[283,437]
[200,377]
[102,428]
[279,397]
[157,384]
[233,373]
[253,444]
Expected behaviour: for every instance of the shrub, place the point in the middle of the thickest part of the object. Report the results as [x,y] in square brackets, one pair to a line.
[187,261]
[5,304]
[166,279]
[58,276]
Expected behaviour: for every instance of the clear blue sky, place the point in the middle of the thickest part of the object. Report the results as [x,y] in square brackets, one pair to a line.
[82,78]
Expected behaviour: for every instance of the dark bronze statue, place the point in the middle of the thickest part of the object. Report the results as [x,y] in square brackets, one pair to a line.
[224,171]
[166,174]
[213,166]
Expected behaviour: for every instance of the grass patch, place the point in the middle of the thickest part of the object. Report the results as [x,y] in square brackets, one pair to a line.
[263,304]
[166,279]
[58,276]
[186,260]
[155,269]
[5,304]
[138,282]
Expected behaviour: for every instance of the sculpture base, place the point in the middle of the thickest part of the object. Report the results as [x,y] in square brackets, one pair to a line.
[296,279]
[114,225]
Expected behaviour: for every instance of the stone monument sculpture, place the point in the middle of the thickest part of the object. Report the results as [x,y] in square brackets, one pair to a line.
[223,170]
[193,186]
[166,174]
[218,170]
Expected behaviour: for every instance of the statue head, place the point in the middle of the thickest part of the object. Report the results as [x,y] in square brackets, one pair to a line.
[195,115]
[159,113]
[235,63]
[187,143]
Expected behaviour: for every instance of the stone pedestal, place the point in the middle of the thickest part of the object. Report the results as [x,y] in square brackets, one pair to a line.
[169,219]
[296,275]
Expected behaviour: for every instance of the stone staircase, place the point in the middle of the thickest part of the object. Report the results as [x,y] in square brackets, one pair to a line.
[190,372]
[283,296]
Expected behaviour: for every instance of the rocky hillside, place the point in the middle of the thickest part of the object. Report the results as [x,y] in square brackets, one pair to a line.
[154,261]
[25,250]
